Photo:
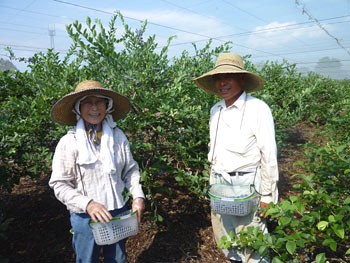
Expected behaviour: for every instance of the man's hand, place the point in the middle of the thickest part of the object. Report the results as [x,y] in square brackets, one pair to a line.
[98,212]
[264,207]
[138,205]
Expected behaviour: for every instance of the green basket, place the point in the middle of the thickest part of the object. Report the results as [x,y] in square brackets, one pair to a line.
[123,226]
[233,200]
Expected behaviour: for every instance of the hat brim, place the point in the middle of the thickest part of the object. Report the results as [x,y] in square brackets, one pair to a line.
[252,81]
[62,110]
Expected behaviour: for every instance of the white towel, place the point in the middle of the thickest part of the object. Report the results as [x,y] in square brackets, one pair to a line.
[87,153]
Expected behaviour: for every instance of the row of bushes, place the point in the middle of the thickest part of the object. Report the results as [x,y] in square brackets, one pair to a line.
[168,126]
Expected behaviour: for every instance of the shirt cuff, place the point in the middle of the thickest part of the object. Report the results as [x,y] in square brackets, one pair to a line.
[84,203]
[137,192]
[266,199]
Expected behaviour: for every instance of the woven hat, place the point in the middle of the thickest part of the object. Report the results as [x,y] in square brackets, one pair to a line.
[229,63]
[62,110]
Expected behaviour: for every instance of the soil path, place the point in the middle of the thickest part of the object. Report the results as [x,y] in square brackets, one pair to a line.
[39,231]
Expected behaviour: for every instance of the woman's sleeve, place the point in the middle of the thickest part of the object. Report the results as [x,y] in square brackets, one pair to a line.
[63,178]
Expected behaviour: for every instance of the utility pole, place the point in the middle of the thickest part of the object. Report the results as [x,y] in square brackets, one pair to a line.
[52,33]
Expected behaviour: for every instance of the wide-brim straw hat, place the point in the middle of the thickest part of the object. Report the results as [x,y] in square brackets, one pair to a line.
[229,63]
[62,110]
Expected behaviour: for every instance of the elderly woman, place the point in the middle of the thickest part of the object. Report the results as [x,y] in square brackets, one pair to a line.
[93,166]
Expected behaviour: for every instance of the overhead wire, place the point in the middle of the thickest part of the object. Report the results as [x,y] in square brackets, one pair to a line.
[135,19]
[24,8]
[235,43]
[305,11]
[169,27]
[28,11]
[217,38]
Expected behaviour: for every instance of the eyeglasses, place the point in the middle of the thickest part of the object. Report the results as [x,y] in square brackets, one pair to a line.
[90,102]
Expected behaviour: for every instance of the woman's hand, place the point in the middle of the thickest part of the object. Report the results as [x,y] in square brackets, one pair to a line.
[138,205]
[98,212]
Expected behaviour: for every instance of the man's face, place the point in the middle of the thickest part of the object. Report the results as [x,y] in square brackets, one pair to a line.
[93,109]
[229,86]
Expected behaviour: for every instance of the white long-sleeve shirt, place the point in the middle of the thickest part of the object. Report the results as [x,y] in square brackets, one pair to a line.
[76,185]
[242,138]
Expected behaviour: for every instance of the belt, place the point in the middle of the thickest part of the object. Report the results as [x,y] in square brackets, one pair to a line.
[238,173]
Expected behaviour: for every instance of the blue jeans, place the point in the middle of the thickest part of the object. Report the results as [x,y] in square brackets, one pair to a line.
[86,250]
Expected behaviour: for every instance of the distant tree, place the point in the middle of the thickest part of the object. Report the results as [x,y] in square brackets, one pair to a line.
[304,70]
[6,65]
[330,67]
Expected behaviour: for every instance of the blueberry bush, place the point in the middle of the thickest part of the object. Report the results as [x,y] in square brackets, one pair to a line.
[168,128]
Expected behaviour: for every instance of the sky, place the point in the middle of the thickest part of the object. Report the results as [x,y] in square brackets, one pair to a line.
[302,32]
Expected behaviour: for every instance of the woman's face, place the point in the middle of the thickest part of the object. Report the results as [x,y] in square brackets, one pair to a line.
[93,110]
[229,87]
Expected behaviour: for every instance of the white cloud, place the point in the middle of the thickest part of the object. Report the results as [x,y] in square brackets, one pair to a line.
[191,26]
[276,33]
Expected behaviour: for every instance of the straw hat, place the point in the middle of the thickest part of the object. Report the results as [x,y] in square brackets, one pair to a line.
[62,110]
[229,63]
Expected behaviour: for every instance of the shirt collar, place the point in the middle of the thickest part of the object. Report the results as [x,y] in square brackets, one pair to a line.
[239,103]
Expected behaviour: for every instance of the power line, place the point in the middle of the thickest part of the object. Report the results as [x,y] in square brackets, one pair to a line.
[135,19]
[20,10]
[284,27]
[156,24]
[29,48]
[305,11]
[22,31]
[27,11]
[21,25]
[218,38]
[244,11]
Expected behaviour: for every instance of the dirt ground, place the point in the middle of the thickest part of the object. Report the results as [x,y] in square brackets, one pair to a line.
[40,228]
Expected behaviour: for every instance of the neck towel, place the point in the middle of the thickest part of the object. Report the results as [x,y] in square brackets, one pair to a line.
[86,151]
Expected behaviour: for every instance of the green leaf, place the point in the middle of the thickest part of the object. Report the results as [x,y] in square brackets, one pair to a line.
[340,148]
[331,243]
[291,246]
[160,218]
[263,250]
[339,232]
[277,260]
[322,225]
[321,258]
[88,21]
[284,221]
[331,219]
[293,198]
[347,201]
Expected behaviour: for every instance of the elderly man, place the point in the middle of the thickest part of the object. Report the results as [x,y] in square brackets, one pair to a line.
[242,145]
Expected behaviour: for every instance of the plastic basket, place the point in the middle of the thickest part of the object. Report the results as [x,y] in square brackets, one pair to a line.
[232,200]
[123,226]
